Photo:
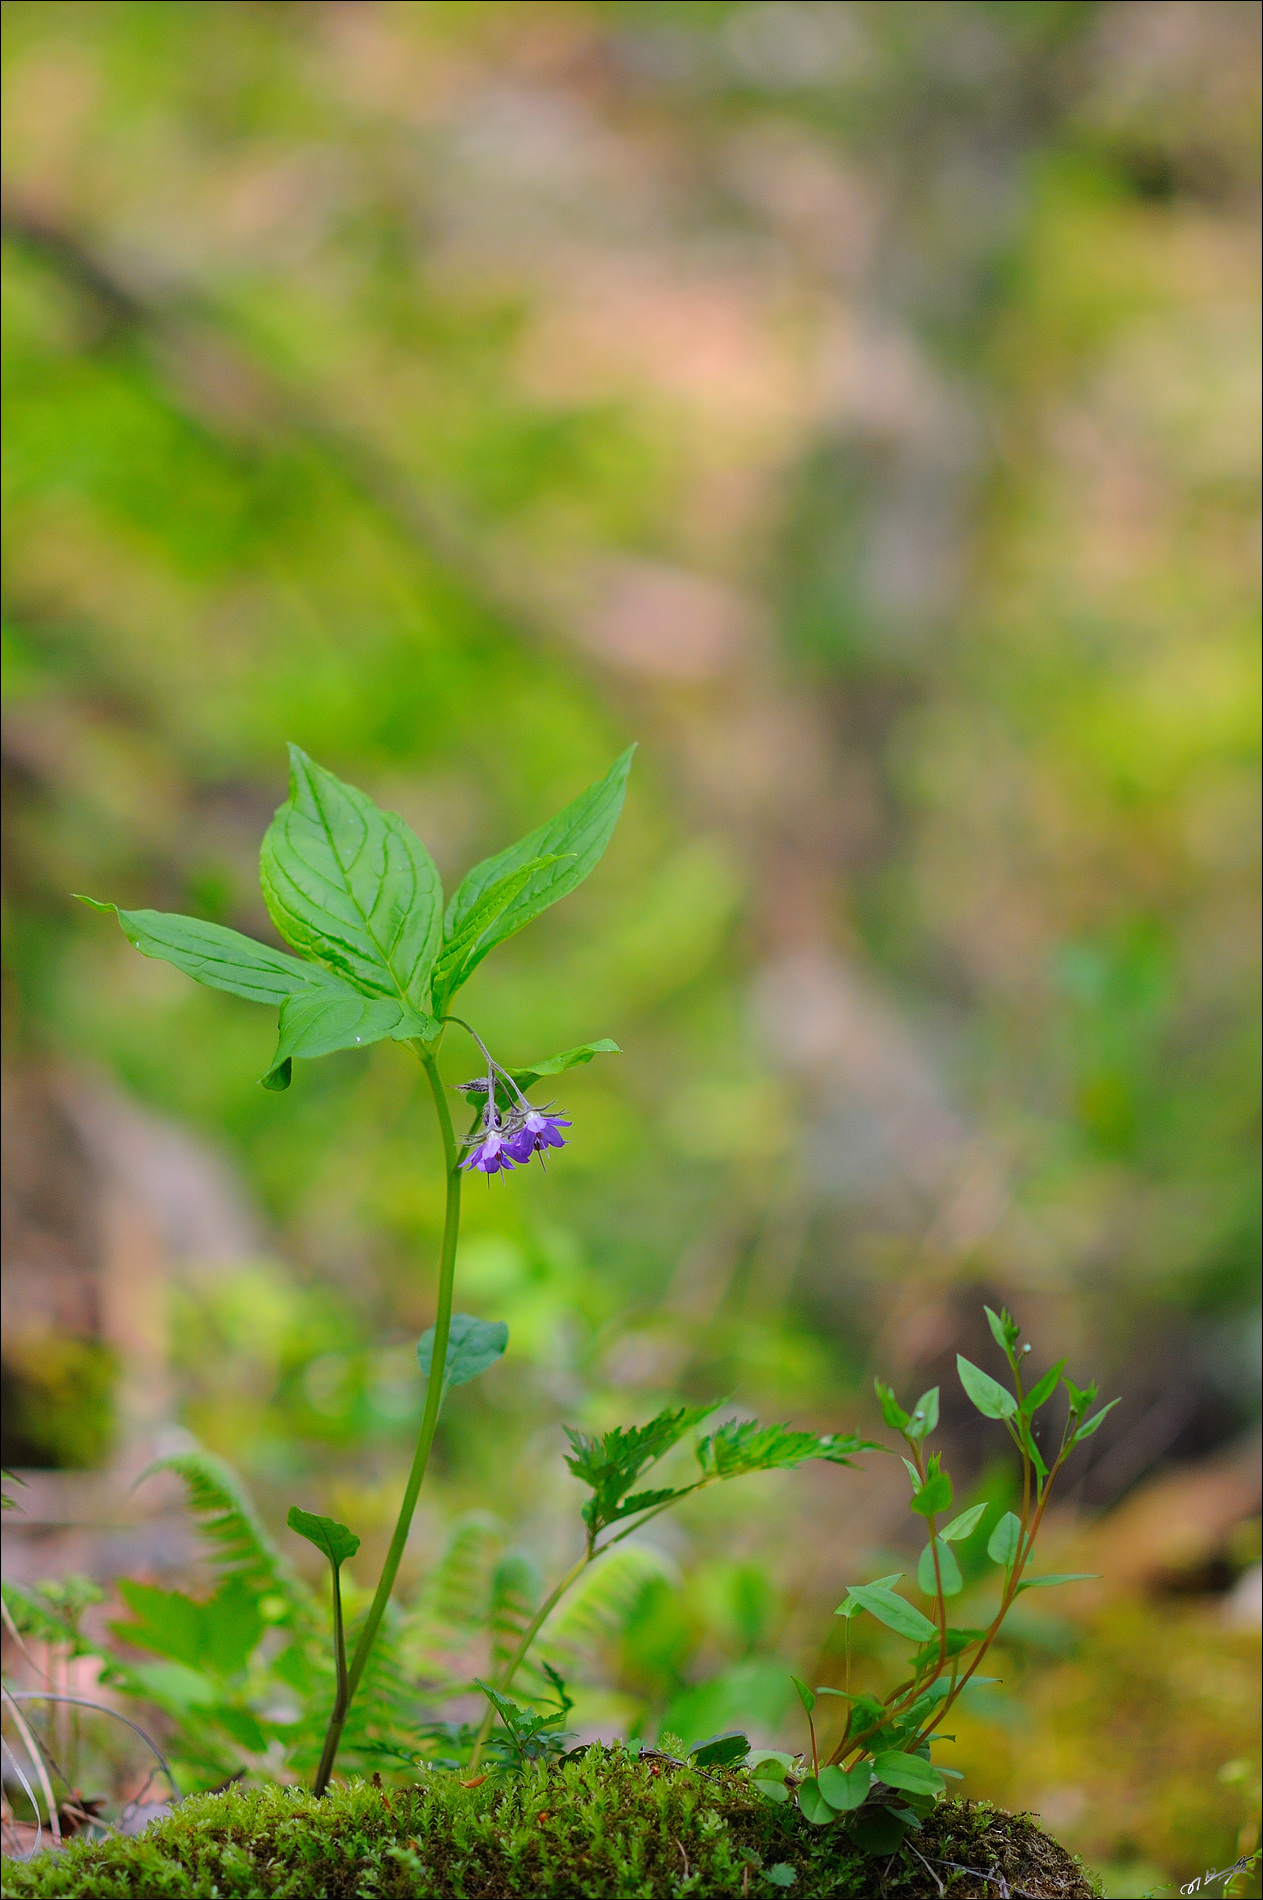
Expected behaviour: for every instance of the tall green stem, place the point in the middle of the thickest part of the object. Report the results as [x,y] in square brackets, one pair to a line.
[425,1438]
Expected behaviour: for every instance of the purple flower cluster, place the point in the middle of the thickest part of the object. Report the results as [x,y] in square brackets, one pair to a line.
[508,1138]
[505,1141]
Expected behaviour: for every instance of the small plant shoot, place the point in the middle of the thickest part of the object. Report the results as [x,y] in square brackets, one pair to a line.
[879,1774]
[357,896]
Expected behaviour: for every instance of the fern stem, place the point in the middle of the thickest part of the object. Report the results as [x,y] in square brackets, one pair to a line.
[430,1419]
[519,1655]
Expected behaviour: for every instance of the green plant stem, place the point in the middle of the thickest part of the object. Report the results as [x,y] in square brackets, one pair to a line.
[343,1696]
[554,1597]
[425,1438]
[519,1655]
[894,1708]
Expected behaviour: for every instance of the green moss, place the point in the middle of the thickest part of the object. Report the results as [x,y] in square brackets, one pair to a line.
[606,1824]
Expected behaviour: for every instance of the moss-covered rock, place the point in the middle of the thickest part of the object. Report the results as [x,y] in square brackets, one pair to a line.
[606,1824]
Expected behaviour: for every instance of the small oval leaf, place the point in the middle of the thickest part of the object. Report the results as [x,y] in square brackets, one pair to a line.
[472,1346]
[1003,1543]
[992,1399]
[813,1804]
[334,1539]
[962,1526]
[912,1773]
[844,1789]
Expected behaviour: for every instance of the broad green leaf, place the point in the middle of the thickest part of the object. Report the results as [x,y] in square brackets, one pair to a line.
[924,1418]
[549,1065]
[909,1772]
[1042,1391]
[992,1399]
[172,1685]
[472,1346]
[222,958]
[805,1695]
[845,1789]
[334,1539]
[1047,1583]
[849,1607]
[935,1495]
[217,1634]
[319,1011]
[242,1726]
[1002,1545]
[949,1570]
[316,1021]
[1086,1431]
[897,1614]
[720,1751]
[781,1874]
[961,1526]
[352,886]
[460,954]
[813,1804]
[574,840]
[891,1410]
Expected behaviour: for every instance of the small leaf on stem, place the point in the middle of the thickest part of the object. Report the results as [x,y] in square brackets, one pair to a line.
[334,1539]
[891,1410]
[935,1495]
[924,1414]
[949,1570]
[1047,1583]
[472,1346]
[1002,1545]
[1041,1392]
[992,1399]
[805,1695]
[844,1789]
[962,1526]
[1004,1328]
[894,1611]
[1086,1431]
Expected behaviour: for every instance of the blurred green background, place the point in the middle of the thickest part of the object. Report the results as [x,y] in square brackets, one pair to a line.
[857,404]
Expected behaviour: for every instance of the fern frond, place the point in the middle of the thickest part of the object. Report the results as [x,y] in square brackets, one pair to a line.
[239,1544]
[515,1588]
[599,1608]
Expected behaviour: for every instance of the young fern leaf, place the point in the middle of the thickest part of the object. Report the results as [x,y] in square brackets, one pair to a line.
[239,1544]
[743,1445]
[611,1464]
[513,1598]
[598,1611]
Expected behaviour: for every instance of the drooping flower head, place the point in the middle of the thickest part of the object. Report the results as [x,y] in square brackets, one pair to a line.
[507,1135]
[539,1130]
[492,1153]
